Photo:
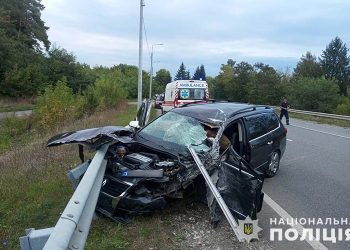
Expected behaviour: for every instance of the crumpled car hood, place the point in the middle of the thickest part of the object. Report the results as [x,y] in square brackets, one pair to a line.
[93,137]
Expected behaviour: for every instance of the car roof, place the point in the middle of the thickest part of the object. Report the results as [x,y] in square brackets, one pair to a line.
[217,112]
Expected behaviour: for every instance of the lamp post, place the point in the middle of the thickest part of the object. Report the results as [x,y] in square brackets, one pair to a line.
[151,78]
[139,79]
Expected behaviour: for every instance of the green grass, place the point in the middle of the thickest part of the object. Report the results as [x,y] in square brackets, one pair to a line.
[31,199]
[35,190]
[321,120]
[13,130]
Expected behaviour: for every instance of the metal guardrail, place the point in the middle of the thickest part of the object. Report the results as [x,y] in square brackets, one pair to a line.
[318,114]
[73,226]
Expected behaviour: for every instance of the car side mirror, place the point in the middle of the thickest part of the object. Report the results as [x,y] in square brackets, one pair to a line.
[134,124]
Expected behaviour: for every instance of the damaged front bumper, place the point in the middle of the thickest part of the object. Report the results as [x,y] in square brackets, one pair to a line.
[130,189]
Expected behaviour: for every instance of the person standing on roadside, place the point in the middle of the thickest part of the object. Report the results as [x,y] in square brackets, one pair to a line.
[284,110]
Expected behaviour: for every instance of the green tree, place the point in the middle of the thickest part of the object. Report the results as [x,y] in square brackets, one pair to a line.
[222,81]
[196,74]
[55,106]
[265,87]
[161,79]
[232,81]
[231,63]
[22,67]
[129,79]
[211,86]
[187,75]
[22,70]
[25,82]
[108,91]
[314,94]
[335,64]
[343,107]
[202,75]
[182,73]
[62,65]
[199,73]
[243,74]
[308,67]
[24,23]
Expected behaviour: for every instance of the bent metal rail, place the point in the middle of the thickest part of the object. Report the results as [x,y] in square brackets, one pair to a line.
[73,226]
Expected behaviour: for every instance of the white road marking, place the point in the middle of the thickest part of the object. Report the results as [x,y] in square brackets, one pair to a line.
[289,139]
[327,133]
[284,215]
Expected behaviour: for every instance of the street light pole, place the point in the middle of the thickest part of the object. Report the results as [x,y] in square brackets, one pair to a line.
[139,79]
[151,77]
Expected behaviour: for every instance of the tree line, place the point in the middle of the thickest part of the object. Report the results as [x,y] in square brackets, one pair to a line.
[316,84]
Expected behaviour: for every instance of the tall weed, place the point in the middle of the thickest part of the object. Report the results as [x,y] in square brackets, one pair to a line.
[57,105]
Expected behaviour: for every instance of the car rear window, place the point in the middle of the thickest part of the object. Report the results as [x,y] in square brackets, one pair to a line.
[258,125]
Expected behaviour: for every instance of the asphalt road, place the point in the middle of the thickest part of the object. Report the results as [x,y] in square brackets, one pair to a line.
[313,181]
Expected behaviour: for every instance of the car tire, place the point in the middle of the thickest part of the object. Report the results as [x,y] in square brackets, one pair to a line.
[274,164]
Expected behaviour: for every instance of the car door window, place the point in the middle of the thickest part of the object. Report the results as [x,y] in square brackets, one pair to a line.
[256,126]
[272,121]
[261,124]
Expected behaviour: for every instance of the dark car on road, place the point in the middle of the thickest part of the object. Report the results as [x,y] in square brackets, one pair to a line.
[150,164]
[159,101]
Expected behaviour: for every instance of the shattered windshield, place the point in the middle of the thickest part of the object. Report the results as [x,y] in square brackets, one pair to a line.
[173,128]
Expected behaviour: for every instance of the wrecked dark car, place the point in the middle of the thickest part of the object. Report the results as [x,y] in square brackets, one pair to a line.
[148,164]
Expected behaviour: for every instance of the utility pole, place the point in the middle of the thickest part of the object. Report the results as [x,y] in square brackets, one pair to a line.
[151,78]
[139,79]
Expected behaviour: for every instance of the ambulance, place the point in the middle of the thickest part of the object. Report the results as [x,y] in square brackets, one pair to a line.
[181,92]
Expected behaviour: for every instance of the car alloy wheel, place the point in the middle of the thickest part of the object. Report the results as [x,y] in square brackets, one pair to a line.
[274,164]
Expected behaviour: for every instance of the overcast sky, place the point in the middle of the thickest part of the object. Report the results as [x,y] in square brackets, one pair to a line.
[276,32]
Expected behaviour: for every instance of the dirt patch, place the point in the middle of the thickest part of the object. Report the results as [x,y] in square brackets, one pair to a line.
[188,223]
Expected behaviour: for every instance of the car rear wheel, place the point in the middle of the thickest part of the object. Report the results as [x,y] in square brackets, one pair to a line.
[274,164]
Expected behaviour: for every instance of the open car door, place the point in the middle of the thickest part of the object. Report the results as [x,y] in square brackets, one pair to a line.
[143,113]
[241,186]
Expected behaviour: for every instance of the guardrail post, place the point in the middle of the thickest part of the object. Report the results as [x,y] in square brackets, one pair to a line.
[35,239]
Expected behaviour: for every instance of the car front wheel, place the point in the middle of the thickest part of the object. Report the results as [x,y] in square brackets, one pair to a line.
[274,164]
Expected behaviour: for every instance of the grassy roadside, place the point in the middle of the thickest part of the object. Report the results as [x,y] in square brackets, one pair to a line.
[321,120]
[35,189]
[13,130]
